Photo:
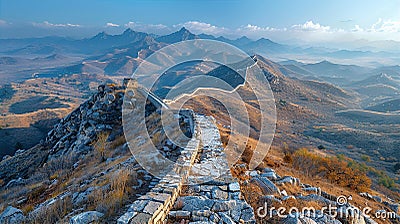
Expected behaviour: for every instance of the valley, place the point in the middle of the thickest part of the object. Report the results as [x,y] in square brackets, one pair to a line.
[332,109]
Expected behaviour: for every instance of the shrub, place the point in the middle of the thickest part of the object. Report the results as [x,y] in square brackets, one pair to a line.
[338,170]
[288,158]
[366,158]
[37,194]
[386,181]
[100,145]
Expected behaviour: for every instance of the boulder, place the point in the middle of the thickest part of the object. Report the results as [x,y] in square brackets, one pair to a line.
[394,207]
[377,199]
[270,175]
[266,186]
[12,215]
[315,190]
[192,203]
[288,180]
[86,217]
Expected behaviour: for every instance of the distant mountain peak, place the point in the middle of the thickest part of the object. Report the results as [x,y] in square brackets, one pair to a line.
[325,62]
[184,30]
[265,40]
[101,35]
[128,31]
[182,34]
[243,37]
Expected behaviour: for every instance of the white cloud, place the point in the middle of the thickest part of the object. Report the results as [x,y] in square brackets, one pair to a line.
[130,24]
[49,25]
[306,33]
[200,27]
[387,26]
[111,25]
[141,25]
[149,28]
[250,27]
[357,28]
[311,26]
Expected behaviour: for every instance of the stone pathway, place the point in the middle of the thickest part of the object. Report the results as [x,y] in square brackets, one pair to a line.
[211,196]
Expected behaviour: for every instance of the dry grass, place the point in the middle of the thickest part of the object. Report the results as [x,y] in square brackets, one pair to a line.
[52,213]
[120,140]
[110,198]
[101,144]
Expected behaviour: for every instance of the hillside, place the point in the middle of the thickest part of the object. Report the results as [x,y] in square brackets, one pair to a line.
[84,168]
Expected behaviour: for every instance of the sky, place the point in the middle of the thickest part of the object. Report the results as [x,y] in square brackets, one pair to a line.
[297,21]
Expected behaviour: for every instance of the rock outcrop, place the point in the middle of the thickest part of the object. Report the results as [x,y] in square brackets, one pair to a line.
[11,215]
[72,136]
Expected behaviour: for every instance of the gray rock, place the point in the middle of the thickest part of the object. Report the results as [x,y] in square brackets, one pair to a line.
[270,175]
[253,173]
[15,182]
[392,206]
[86,217]
[219,194]
[226,218]
[11,215]
[377,199]
[204,213]
[214,218]
[270,199]
[290,197]
[192,203]
[315,190]
[288,180]
[201,222]
[197,218]
[366,195]
[234,186]
[266,186]
[141,218]
[126,218]
[268,170]
[221,206]
[248,215]
[180,214]
[78,198]
[6,157]
[152,207]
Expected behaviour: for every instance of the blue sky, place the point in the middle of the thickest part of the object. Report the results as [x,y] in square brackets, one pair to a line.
[283,20]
